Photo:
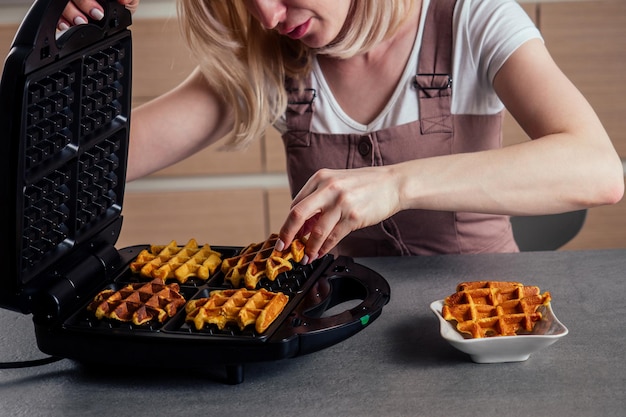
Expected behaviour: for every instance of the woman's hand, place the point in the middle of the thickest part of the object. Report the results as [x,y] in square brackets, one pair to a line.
[77,12]
[334,203]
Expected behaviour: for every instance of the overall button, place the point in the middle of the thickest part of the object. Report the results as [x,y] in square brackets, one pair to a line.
[364,146]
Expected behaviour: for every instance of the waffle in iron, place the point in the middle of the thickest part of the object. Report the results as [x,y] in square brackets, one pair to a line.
[138,303]
[494,308]
[260,260]
[177,262]
[241,307]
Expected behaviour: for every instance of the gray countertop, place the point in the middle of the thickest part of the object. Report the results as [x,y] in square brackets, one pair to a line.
[397,366]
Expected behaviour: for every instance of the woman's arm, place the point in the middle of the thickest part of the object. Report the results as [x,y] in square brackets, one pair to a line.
[571,152]
[570,164]
[176,125]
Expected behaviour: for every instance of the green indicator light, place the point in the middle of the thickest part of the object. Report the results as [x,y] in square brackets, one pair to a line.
[365,319]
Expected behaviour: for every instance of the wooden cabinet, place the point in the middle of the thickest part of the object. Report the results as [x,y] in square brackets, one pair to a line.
[217,217]
[7,32]
[588,41]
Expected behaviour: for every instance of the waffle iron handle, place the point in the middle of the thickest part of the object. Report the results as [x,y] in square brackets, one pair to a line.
[38,31]
[344,281]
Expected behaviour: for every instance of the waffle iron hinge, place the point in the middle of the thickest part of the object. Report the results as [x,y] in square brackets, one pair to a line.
[74,281]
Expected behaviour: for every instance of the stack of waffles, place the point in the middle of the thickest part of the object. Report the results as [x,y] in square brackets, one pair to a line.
[260,260]
[177,262]
[240,307]
[138,303]
[494,308]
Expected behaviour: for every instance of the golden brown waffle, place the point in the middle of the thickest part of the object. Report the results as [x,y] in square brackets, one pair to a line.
[261,259]
[138,303]
[177,262]
[241,307]
[494,308]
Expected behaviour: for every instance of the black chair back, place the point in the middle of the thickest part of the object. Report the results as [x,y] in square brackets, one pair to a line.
[547,232]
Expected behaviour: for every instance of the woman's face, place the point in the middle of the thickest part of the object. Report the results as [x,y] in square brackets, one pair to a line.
[316,23]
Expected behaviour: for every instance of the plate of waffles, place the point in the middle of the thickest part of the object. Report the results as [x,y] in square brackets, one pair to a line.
[495,321]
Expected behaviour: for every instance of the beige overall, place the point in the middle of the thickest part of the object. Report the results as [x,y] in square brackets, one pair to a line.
[438,132]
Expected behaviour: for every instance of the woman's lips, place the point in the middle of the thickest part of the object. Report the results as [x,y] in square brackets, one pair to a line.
[298,31]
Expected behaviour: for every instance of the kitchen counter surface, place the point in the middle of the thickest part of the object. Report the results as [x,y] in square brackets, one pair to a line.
[397,366]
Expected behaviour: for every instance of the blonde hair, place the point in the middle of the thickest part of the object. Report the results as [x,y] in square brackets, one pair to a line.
[247,65]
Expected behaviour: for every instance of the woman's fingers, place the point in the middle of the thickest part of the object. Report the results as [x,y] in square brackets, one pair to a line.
[130,4]
[334,203]
[315,233]
[326,233]
[317,214]
[78,12]
[71,16]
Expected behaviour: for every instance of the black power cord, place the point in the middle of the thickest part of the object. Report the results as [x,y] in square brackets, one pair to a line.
[29,364]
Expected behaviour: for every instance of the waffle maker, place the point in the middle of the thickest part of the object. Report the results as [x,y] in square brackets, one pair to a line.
[65,102]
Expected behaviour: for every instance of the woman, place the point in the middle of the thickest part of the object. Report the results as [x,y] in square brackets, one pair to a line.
[390,113]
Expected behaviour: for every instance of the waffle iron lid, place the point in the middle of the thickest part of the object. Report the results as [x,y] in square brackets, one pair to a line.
[64,115]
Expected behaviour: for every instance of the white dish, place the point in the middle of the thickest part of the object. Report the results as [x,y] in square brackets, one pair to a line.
[503,348]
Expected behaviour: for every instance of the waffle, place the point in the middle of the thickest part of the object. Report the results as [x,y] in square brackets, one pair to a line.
[237,306]
[138,303]
[493,308]
[177,262]
[261,259]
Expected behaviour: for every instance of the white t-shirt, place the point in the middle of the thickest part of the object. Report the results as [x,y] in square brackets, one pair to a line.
[485,34]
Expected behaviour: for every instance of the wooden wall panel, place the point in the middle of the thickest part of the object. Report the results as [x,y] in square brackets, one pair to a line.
[274,151]
[279,201]
[605,227]
[588,42]
[7,32]
[228,217]
[212,161]
[161,61]
[160,58]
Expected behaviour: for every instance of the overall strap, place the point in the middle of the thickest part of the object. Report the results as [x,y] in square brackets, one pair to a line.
[299,112]
[434,72]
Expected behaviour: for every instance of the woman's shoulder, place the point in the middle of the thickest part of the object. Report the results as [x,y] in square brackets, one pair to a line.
[476,11]
[486,33]
[491,29]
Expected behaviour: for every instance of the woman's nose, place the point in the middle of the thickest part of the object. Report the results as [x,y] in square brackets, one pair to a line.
[270,12]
